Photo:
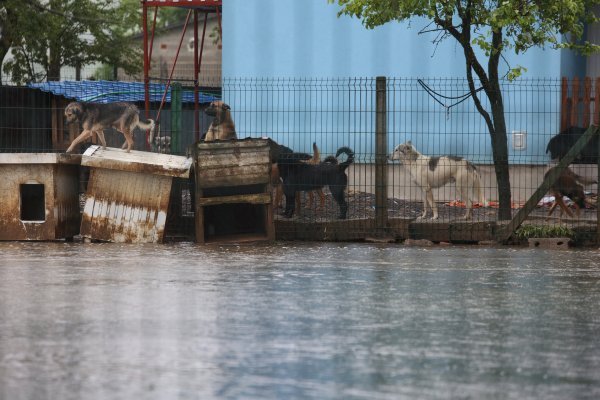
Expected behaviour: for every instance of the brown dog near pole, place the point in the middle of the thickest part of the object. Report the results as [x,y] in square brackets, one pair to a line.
[222,126]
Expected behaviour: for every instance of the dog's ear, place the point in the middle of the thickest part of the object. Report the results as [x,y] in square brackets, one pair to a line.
[226,107]
[409,143]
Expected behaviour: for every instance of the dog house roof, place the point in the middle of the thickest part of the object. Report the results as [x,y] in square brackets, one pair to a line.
[137,161]
[39,158]
[113,91]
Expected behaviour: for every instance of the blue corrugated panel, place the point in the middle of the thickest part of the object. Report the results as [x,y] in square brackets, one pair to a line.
[112,91]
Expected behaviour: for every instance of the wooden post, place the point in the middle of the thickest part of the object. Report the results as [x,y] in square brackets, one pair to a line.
[597,103]
[381,210]
[564,104]
[553,174]
[587,90]
[574,102]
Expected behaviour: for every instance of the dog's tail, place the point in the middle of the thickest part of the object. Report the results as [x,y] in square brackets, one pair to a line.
[348,151]
[477,191]
[316,155]
[148,124]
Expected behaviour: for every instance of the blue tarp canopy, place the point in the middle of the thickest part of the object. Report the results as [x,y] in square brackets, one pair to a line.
[113,91]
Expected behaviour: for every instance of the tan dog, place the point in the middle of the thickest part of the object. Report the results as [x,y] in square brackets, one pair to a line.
[222,127]
[568,184]
[316,159]
[95,117]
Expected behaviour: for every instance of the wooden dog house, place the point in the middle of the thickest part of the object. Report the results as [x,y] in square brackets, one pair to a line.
[40,198]
[233,191]
[127,197]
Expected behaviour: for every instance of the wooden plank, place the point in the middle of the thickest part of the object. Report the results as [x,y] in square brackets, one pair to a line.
[587,90]
[258,198]
[470,231]
[597,102]
[227,144]
[39,158]
[221,161]
[137,161]
[506,233]
[434,231]
[574,102]
[199,216]
[232,177]
[564,104]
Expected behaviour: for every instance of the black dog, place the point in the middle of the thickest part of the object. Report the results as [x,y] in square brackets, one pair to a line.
[298,176]
[560,144]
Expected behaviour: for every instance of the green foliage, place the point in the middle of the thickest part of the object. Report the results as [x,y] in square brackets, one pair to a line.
[46,35]
[542,231]
[523,24]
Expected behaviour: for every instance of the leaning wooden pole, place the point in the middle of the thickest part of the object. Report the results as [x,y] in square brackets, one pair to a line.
[381,210]
[551,177]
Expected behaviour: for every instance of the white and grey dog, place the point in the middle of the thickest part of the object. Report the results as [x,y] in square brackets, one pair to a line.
[434,172]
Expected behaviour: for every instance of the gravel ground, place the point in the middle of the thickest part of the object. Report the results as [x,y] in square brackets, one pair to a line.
[362,205]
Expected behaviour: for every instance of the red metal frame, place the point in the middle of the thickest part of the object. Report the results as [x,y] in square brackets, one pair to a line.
[205,6]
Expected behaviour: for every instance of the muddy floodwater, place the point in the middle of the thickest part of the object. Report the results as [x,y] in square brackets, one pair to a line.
[297,321]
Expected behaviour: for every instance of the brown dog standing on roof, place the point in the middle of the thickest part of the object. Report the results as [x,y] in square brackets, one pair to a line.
[95,117]
[222,127]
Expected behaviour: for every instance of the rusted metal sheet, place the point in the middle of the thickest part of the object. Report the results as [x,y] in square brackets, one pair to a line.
[125,207]
[51,210]
[127,198]
[232,163]
[137,161]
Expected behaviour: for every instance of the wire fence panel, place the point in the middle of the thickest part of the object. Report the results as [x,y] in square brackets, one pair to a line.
[438,117]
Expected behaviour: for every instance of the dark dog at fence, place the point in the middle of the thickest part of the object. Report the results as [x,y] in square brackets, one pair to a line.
[277,184]
[281,154]
[298,176]
[570,185]
[222,126]
[95,117]
[560,144]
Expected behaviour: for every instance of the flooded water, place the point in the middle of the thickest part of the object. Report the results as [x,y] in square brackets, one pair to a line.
[289,321]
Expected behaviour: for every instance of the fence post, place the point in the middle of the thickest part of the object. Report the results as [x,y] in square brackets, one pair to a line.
[381,209]
[176,97]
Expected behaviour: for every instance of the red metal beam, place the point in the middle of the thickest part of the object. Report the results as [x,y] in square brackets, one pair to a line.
[207,6]
[182,3]
[162,102]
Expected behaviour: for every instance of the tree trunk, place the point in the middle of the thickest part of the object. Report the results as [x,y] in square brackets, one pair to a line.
[54,67]
[3,52]
[500,155]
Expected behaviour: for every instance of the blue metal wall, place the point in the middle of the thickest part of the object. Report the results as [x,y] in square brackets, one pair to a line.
[279,39]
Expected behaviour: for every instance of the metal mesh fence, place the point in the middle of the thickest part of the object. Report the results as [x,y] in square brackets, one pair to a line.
[437,116]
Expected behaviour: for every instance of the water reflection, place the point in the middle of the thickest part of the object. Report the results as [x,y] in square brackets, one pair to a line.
[297,321]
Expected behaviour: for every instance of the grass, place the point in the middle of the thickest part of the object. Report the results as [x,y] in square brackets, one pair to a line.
[555,231]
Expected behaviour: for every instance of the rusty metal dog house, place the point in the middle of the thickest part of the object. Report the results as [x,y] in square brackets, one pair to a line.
[39,194]
[127,198]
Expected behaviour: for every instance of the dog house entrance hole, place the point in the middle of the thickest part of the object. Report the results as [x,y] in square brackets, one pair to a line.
[234,220]
[33,202]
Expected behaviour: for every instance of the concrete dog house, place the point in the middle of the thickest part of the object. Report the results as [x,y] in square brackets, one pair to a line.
[39,194]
